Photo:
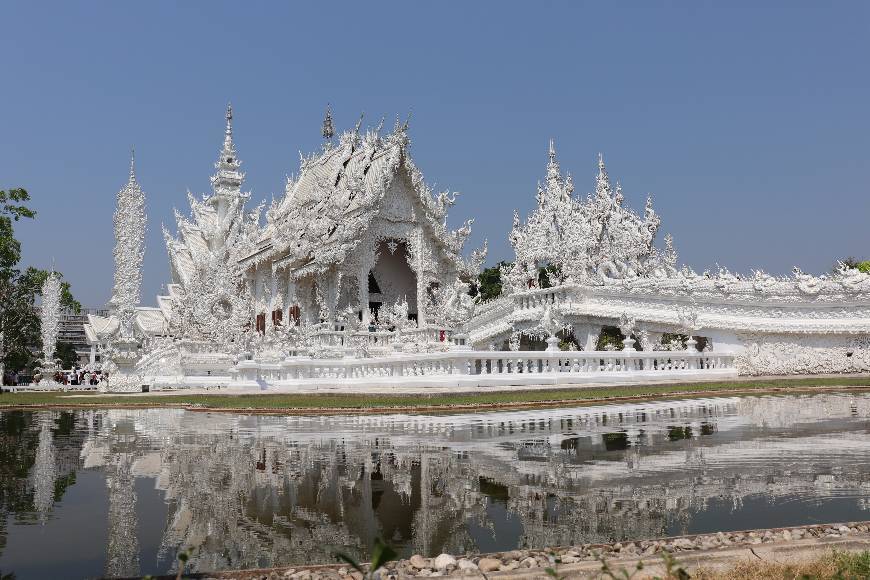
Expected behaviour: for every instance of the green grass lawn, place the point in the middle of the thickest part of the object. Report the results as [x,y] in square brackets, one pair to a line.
[275,402]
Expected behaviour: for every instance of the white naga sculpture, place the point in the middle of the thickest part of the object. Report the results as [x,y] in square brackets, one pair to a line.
[459,306]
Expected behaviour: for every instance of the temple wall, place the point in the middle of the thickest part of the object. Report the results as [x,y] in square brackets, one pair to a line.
[782,354]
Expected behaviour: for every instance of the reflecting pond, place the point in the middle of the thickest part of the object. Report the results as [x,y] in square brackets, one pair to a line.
[119,492]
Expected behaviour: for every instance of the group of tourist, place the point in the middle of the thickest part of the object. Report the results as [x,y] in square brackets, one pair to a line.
[74,377]
[11,378]
[80,377]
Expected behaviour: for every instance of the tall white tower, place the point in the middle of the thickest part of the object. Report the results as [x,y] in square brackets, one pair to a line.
[227,197]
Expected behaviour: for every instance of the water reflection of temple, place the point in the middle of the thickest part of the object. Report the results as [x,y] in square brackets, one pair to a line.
[257,490]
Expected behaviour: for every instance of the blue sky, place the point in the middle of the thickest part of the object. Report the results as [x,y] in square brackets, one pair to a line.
[747,121]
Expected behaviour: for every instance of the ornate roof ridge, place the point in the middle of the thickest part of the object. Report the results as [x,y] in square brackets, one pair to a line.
[325,154]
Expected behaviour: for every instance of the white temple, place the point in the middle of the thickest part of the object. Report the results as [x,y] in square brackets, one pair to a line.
[354,278]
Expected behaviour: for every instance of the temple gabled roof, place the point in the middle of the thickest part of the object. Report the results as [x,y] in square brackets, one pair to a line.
[325,213]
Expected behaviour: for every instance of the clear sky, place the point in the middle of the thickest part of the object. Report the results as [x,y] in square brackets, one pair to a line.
[748,121]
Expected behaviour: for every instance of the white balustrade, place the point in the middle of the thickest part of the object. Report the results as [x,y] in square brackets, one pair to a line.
[496,367]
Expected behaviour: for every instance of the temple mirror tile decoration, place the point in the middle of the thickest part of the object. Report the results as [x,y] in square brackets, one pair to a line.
[354,277]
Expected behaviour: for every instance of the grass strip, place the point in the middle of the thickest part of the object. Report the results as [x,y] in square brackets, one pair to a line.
[835,565]
[425,402]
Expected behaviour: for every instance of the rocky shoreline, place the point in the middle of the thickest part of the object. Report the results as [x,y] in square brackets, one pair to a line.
[533,563]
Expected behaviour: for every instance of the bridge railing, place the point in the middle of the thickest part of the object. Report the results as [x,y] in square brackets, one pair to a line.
[485,364]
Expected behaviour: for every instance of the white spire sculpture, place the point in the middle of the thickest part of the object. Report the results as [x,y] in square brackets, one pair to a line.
[129,252]
[122,551]
[44,474]
[122,349]
[49,320]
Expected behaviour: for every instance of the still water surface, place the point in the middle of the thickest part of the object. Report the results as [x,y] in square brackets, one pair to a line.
[119,492]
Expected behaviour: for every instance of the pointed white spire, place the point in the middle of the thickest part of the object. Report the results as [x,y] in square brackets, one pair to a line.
[228,134]
[554,173]
[602,181]
[227,181]
[228,152]
[328,130]
[132,165]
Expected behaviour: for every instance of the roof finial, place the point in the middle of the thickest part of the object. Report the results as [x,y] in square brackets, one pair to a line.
[359,123]
[552,152]
[132,164]
[229,131]
[328,129]
[602,182]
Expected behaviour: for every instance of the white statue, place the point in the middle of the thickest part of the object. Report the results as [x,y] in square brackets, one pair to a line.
[459,306]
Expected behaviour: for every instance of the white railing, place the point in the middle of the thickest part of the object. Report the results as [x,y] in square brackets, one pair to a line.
[378,339]
[33,387]
[542,297]
[495,367]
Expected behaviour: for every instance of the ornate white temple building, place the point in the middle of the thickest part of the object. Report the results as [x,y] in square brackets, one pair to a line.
[354,278]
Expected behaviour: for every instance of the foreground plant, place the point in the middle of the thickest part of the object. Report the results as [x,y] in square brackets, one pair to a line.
[381,554]
[673,571]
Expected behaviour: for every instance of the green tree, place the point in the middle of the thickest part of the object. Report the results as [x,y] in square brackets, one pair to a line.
[34,278]
[544,275]
[67,355]
[489,282]
[12,209]
[610,337]
[852,262]
[19,319]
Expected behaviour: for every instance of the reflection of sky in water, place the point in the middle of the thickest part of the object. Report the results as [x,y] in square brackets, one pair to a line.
[120,491]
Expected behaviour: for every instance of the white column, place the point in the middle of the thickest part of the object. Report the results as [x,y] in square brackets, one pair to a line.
[258,290]
[290,291]
[363,293]
[421,279]
[273,294]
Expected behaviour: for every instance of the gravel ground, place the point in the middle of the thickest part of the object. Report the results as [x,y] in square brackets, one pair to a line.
[526,562]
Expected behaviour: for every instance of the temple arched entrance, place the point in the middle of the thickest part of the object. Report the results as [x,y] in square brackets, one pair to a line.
[392,278]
